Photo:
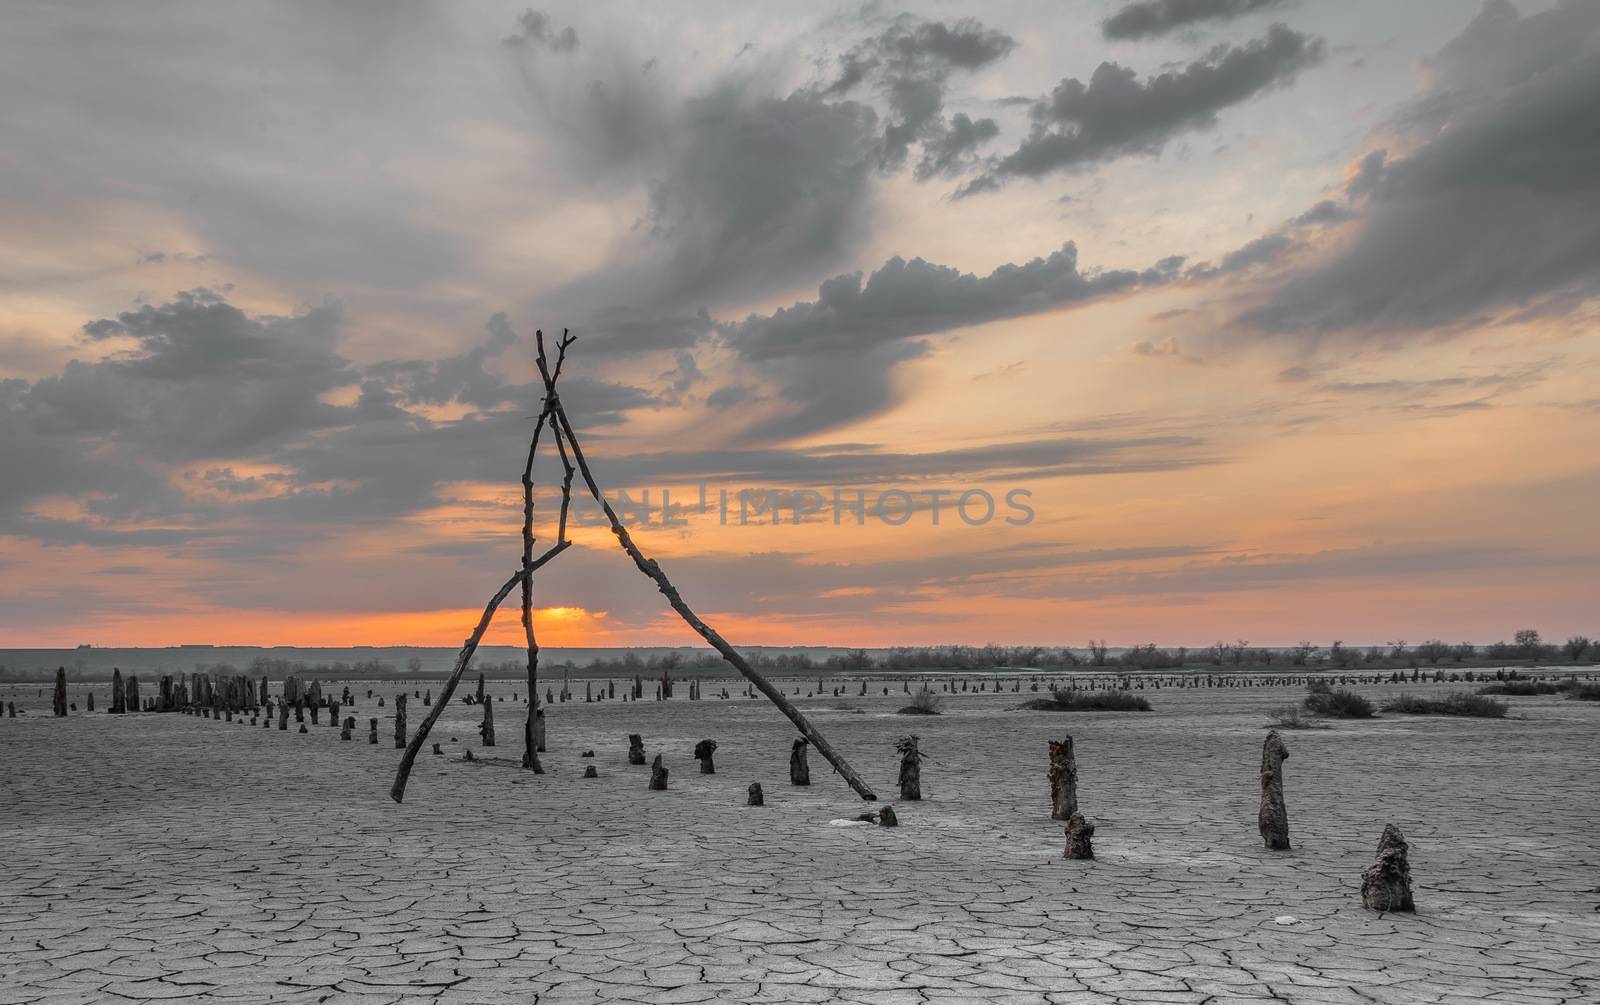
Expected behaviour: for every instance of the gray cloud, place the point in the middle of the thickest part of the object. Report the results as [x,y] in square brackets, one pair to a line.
[1115,114]
[1149,18]
[1499,203]
[198,380]
[535,29]
[911,62]
[905,300]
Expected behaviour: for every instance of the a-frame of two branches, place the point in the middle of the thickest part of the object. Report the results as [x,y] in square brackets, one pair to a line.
[554,417]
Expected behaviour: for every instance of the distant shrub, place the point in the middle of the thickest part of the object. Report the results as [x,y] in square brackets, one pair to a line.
[1291,717]
[1341,704]
[1455,703]
[1088,701]
[1528,687]
[924,702]
[1585,692]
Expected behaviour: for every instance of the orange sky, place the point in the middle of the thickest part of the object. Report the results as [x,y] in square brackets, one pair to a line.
[1318,363]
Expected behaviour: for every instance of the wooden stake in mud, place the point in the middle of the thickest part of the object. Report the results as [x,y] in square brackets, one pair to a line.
[1063,780]
[487,729]
[702,753]
[1386,883]
[910,767]
[1080,837]
[1273,819]
[799,770]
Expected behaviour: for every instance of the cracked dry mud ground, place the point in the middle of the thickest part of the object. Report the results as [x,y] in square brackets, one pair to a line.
[156,857]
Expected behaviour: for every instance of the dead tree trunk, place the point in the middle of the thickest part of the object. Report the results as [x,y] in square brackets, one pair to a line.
[1386,883]
[799,771]
[283,715]
[1080,837]
[635,748]
[133,693]
[478,698]
[1063,780]
[910,768]
[58,698]
[653,570]
[1273,819]
[658,775]
[119,697]
[702,753]
[400,721]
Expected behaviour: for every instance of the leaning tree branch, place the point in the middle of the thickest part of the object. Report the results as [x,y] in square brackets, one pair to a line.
[397,791]
[653,570]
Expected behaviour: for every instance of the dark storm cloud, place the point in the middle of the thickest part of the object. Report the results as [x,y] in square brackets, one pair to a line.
[1148,18]
[1115,114]
[199,380]
[1497,206]
[905,300]
[910,63]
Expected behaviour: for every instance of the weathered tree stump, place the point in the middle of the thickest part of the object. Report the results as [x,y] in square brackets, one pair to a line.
[300,709]
[755,796]
[133,692]
[58,697]
[315,711]
[119,697]
[1080,837]
[886,817]
[702,753]
[479,695]
[400,721]
[88,702]
[283,716]
[799,771]
[910,767]
[635,748]
[1273,819]
[349,728]
[1063,780]
[303,728]
[590,772]
[658,775]
[437,749]
[11,710]
[486,730]
[1386,883]
[372,732]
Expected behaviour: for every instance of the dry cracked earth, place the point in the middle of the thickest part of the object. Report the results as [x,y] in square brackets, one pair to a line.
[170,857]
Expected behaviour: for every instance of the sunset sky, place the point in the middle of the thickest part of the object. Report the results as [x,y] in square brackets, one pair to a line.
[1280,316]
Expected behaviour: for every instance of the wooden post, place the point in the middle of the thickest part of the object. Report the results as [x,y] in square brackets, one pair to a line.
[133,693]
[635,748]
[658,775]
[119,696]
[1080,837]
[1273,819]
[400,721]
[702,752]
[799,771]
[349,728]
[1386,883]
[1063,780]
[487,729]
[910,768]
